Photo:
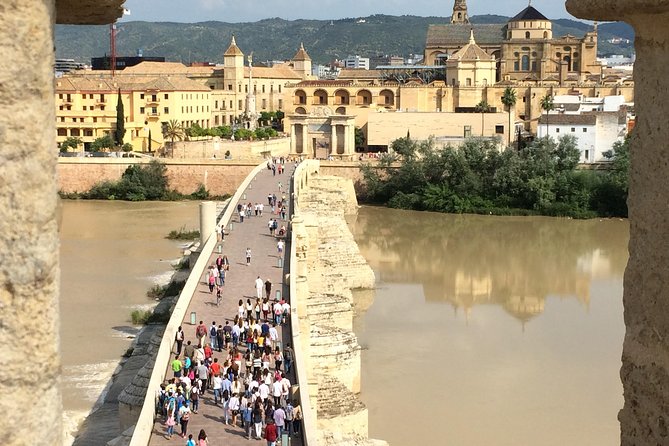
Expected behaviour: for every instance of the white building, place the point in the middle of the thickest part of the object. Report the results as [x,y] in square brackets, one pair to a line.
[595,131]
[356,62]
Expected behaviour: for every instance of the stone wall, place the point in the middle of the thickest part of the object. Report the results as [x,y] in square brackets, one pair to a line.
[216,148]
[219,177]
[328,266]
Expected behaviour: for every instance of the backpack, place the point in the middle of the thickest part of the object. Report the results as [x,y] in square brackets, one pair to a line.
[212,332]
[288,355]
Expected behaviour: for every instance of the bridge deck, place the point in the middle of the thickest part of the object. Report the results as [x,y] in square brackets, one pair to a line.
[239,284]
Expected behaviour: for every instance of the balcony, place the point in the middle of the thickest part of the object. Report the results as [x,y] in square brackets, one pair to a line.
[150,100]
[153,115]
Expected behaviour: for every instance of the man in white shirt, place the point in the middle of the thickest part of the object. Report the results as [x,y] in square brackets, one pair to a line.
[259,286]
[277,389]
[273,336]
[263,391]
[217,382]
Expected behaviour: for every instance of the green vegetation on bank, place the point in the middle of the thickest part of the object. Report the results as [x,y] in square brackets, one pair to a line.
[141,183]
[540,179]
[183,234]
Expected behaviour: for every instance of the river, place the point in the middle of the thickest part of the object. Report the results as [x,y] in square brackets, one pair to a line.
[492,330]
[111,253]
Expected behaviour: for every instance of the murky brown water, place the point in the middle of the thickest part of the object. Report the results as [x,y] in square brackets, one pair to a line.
[492,331]
[111,254]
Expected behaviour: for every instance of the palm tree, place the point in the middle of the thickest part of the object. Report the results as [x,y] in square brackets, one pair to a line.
[173,130]
[548,106]
[482,107]
[509,100]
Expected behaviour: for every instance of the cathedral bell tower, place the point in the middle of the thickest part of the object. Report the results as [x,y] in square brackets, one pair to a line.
[460,12]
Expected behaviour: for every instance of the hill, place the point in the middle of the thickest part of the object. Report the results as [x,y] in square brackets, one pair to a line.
[273,39]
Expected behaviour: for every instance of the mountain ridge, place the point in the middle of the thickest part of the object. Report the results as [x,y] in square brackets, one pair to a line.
[279,39]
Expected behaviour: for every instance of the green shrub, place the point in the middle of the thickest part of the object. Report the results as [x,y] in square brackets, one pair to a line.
[183,234]
[140,317]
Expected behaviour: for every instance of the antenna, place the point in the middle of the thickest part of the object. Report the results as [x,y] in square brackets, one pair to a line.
[112,44]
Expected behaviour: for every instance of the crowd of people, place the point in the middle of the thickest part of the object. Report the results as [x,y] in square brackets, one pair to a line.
[240,365]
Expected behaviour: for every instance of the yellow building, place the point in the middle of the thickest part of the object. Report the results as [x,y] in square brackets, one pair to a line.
[86,106]
[154,93]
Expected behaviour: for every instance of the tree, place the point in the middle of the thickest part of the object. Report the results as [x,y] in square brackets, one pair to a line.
[547,105]
[104,142]
[173,130]
[509,100]
[120,121]
[482,107]
[71,142]
[359,138]
[404,147]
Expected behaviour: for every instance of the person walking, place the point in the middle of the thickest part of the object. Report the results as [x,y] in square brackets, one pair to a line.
[202,438]
[179,339]
[279,246]
[271,432]
[248,256]
[288,356]
[297,417]
[259,287]
[268,288]
[184,416]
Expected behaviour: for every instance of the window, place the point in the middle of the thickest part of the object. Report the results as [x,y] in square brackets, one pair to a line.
[95,119]
[154,97]
[254,89]
[527,34]
[557,130]
[525,63]
[279,88]
[141,110]
[88,132]
[154,110]
[141,96]
[587,155]
[166,110]
[246,88]
[62,132]
[469,82]
[264,104]
[81,119]
[61,107]
[499,129]
[60,96]
[62,119]
[239,87]
[74,132]
[167,96]
[102,98]
[280,104]
[468,131]
[230,105]
[102,107]
[263,88]
[229,87]
[573,129]
[534,65]
[545,34]
[241,106]
[516,67]
[84,108]
[74,119]
[585,130]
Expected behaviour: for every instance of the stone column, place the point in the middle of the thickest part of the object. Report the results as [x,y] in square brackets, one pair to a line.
[333,140]
[645,371]
[29,271]
[293,140]
[306,150]
[207,221]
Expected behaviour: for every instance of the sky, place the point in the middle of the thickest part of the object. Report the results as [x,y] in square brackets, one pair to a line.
[254,10]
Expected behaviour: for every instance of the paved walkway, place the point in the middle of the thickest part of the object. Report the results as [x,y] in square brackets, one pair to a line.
[239,284]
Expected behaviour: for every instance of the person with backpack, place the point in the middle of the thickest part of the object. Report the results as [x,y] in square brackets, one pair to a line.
[195,395]
[201,334]
[179,339]
[289,410]
[288,356]
[212,335]
[247,419]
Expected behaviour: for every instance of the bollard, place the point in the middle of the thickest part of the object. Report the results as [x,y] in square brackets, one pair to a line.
[278,294]
[279,262]
[231,226]
[193,317]
[244,196]
[219,249]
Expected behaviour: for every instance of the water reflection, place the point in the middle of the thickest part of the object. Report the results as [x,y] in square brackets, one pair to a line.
[468,261]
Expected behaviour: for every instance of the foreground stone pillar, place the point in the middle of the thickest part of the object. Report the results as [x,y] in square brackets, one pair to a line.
[29,273]
[644,419]
[207,221]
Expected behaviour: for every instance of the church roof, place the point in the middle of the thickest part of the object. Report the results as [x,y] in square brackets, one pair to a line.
[301,54]
[529,13]
[233,49]
[471,51]
[458,33]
